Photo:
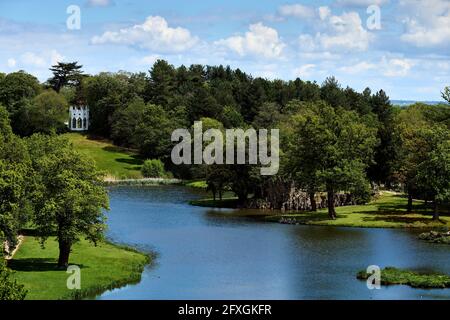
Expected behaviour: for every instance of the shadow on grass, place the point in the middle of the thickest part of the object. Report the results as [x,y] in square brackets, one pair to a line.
[35,233]
[401,219]
[134,160]
[36,265]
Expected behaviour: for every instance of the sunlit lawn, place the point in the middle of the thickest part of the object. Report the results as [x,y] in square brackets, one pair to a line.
[387,211]
[103,267]
[119,163]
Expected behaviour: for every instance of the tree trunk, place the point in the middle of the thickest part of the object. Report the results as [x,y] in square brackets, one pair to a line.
[312,199]
[435,210]
[410,202]
[220,194]
[331,210]
[64,253]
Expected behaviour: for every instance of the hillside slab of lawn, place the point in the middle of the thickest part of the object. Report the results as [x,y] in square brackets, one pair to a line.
[104,267]
[118,163]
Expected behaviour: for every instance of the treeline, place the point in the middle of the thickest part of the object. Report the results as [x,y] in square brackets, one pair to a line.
[332,138]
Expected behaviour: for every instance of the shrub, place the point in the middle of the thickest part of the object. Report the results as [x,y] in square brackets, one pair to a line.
[9,288]
[153,168]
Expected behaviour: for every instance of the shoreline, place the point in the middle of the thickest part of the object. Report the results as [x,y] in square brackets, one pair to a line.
[142,182]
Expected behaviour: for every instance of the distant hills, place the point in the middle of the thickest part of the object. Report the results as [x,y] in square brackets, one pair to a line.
[405,103]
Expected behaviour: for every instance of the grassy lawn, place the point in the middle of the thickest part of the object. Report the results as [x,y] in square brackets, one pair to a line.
[390,276]
[103,267]
[118,163]
[388,211]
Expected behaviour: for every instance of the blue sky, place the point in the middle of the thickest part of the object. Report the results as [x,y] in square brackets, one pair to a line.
[407,54]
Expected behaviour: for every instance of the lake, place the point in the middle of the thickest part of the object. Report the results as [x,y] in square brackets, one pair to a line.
[204,254]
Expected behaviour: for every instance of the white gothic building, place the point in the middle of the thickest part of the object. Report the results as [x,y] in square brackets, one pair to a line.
[79,118]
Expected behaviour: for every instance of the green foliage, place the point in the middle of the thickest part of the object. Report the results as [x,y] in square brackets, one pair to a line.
[153,131]
[162,83]
[65,74]
[16,184]
[105,93]
[381,170]
[15,87]
[329,149]
[433,173]
[9,288]
[46,113]
[153,168]
[446,94]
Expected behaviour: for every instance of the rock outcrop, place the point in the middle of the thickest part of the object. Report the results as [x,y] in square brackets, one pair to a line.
[284,195]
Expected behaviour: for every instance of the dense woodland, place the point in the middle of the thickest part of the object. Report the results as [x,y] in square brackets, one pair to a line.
[332,139]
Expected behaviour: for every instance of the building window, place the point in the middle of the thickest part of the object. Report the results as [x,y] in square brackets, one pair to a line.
[74,123]
[79,124]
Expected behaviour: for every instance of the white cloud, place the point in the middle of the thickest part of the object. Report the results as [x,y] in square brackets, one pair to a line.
[297,11]
[388,67]
[149,60]
[358,68]
[11,62]
[338,32]
[259,41]
[427,23]
[99,3]
[32,59]
[304,71]
[56,57]
[396,67]
[324,12]
[154,34]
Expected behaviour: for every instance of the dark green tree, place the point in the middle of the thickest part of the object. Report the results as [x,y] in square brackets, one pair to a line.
[331,148]
[65,74]
[71,197]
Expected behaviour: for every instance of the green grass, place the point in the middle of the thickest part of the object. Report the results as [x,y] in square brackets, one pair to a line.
[118,163]
[387,211]
[390,276]
[197,184]
[104,267]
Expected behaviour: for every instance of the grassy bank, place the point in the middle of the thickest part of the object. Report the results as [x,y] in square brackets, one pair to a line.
[387,211]
[391,276]
[118,163]
[104,267]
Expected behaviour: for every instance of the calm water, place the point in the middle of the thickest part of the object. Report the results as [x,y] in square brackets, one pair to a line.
[202,254]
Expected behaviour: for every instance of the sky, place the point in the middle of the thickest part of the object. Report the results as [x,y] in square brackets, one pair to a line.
[400,46]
